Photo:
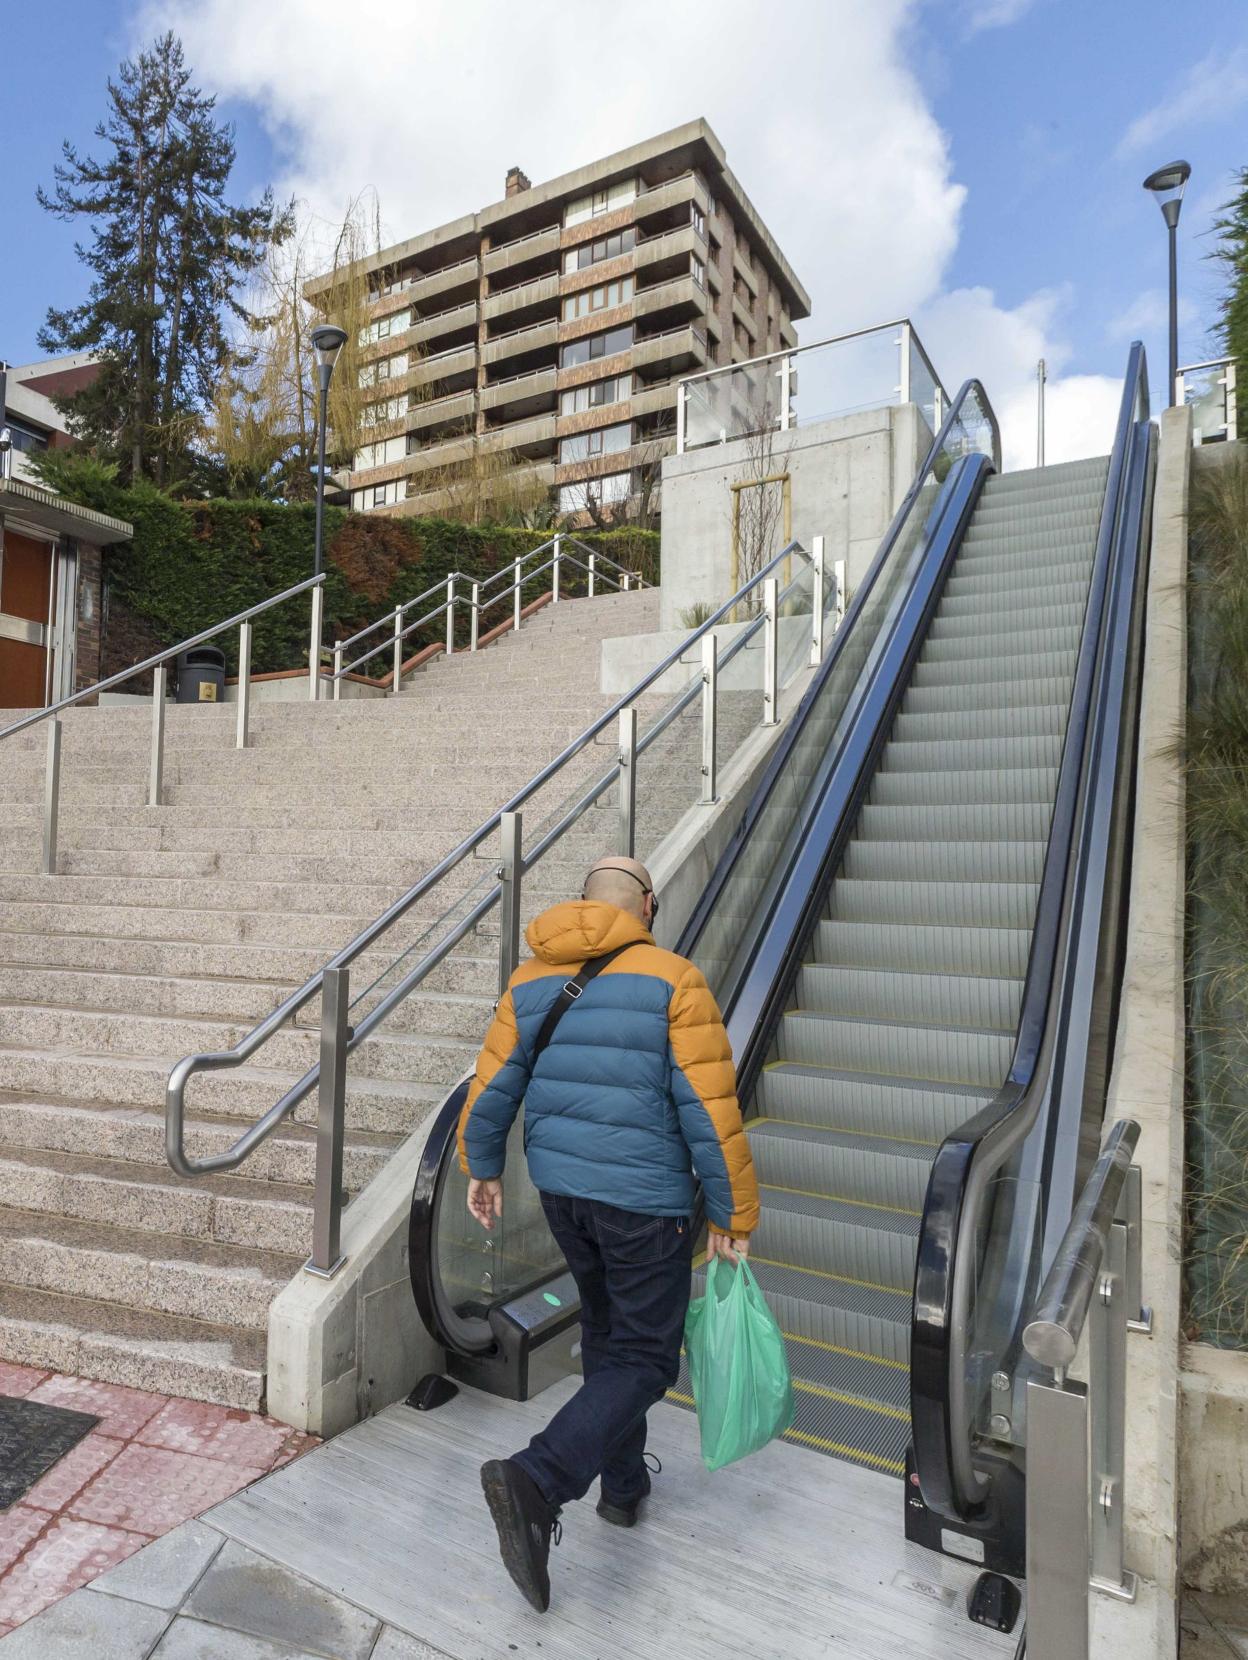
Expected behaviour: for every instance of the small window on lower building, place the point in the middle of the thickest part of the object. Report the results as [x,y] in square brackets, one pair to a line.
[379,495]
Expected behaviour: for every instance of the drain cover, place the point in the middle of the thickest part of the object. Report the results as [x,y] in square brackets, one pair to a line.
[33,1437]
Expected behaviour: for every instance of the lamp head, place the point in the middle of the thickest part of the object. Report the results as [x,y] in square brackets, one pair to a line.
[327,341]
[1167,185]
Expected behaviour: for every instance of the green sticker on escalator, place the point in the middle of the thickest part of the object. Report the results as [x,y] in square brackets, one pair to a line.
[552,1299]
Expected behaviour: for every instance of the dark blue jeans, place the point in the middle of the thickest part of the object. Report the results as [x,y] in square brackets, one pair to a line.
[633,1274]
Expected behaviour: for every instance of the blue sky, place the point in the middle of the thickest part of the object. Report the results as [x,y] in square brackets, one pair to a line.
[975,163]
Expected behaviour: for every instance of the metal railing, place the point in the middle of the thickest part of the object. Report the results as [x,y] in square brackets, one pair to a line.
[157,663]
[865,369]
[598,568]
[1076,1431]
[338,1039]
[1210,388]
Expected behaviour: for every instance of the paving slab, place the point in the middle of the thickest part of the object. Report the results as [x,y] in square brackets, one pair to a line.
[247,1592]
[164,1574]
[78,1628]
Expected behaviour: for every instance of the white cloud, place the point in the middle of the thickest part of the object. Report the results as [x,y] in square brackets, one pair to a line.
[995,14]
[1211,90]
[1148,315]
[834,141]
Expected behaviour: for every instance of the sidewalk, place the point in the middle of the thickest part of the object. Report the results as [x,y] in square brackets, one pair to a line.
[150,1463]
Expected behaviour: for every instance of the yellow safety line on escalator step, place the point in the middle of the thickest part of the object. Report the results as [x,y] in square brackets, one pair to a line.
[823,1274]
[868,1135]
[892,1465]
[837,1199]
[824,1394]
[853,1354]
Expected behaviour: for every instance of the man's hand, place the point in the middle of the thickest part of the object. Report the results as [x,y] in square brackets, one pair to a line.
[485,1201]
[724,1245]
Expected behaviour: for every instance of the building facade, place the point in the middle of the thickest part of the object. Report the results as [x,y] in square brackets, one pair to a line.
[539,341]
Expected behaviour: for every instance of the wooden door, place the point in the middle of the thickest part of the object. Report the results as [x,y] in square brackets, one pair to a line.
[25,590]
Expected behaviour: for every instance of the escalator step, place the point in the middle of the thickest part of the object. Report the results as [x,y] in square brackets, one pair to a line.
[806,1096]
[985,822]
[964,789]
[1023,645]
[866,1169]
[988,1003]
[834,1308]
[987,622]
[999,587]
[945,1054]
[1036,720]
[972,754]
[867,1241]
[1055,663]
[1019,693]
[937,904]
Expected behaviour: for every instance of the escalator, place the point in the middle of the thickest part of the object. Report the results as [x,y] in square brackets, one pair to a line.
[915,938]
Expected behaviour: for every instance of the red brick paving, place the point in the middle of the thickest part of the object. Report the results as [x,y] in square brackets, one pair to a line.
[152,1462]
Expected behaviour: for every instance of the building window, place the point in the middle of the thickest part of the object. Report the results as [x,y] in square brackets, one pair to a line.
[596,345]
[24,437]
[596,394]
[600,201]
[601,441]
[379,495]
[383,368]
[603,492]
[597,299]
[606,247]
[697,270]
[696,220]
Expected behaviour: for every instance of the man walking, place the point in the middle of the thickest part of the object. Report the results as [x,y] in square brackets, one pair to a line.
[620,1058]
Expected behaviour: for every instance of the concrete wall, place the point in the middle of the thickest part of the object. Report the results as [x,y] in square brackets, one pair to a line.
[848,477]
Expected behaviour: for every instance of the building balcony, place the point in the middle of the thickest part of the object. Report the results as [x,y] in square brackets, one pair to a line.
[516,342]
[445,452]
[652,400]
[744,270]
[743,315]
[459,363]
[788,334]
[676,246]
[440,323]
[537,291]
[524,394]
[427,413]
[682,350]
[534,437]
[444,285]
[678,294]
[664,199]
[536,245]
[537,476]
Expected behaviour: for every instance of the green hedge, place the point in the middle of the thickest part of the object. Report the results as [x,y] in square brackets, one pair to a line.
[192,563]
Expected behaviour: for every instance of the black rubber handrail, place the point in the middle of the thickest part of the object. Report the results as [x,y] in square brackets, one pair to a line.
[968,1158]
[831,811]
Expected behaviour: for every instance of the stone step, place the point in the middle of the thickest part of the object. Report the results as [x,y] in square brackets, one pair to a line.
[165,1353]
[226,1210]
[136,1135]
[242,1094]
[227,1284]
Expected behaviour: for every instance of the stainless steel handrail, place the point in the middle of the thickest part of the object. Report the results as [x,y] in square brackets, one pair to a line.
[242,620]
[189,1066]
[160,657]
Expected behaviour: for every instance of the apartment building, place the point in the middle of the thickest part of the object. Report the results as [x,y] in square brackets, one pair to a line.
[549,329]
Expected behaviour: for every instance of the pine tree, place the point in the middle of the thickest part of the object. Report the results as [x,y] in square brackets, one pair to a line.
[1232,250]
[168,256]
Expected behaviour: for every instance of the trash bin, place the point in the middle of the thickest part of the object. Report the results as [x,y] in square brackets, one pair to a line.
[201,675]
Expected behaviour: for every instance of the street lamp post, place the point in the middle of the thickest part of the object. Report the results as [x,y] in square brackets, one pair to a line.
[1167,185]
[327,341]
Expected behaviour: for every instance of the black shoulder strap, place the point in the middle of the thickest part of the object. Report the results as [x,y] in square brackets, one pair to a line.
[571,991]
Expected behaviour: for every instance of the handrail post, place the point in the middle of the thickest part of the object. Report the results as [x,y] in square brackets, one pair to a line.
[156,767]
[327,1257]
[838,571]
[771,655]
[625,582]
[628,783]
[903,388]
[593,572]
[243,724]
[510,876]
[515,610]
[51,796]
[1057,1520]
[1139,1318]
[710,695]
[1107,1399]
[816,594]
[338,672]
[476,615]
[314,643]
[681,394]
[396,672]
[555,570]
[450,616]
[786,392]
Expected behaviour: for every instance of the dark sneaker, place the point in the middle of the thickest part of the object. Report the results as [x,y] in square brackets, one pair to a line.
[525,1524]
[625,1514]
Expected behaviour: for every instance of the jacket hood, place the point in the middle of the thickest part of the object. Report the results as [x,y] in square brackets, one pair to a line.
[583,928]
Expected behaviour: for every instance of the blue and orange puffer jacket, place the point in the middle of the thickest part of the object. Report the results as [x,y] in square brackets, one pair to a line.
[636,1091]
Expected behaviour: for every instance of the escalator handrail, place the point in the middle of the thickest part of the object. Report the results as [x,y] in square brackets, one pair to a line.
[440,1145]
[971,1155]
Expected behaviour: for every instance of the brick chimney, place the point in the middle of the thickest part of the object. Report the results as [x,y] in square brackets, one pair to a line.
[517,181]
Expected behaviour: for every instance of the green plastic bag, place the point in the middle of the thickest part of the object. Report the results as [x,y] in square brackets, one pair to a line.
[737,1365]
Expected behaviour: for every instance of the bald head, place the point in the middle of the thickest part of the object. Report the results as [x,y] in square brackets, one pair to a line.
[624,883]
